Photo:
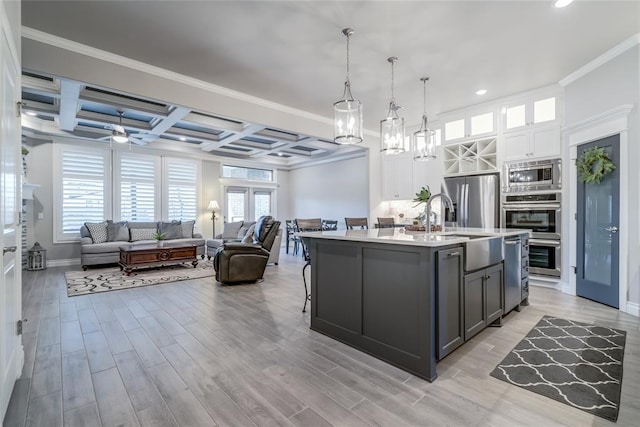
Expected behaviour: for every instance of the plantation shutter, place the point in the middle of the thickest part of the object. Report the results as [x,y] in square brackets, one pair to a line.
[138,188]
[182,190]
[83,190]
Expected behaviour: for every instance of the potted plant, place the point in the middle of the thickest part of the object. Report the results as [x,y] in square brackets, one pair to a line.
[159,237]
[422,197]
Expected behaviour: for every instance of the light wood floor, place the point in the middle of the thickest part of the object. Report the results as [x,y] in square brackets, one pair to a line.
[196,353]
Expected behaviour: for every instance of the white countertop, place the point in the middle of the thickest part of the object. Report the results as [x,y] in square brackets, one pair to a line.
[398,236]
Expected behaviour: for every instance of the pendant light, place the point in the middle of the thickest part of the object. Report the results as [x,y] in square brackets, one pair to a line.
[392,127]
[424,140]
[347,113]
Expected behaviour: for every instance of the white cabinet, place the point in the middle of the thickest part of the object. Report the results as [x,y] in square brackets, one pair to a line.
[397,177]
[534,141]
[531,127]
[471,157]
[470,125]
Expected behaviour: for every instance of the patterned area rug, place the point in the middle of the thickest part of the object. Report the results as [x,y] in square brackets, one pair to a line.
[574,363]
[111,279]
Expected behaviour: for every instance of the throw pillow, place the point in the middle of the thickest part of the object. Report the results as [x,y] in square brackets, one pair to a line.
[187,229]
[98,231]
[142,233]
[248,238]
[171,230]
[231,229]
[117,231]
[245,229]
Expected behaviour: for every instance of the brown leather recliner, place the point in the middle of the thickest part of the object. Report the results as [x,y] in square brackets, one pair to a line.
[245,262]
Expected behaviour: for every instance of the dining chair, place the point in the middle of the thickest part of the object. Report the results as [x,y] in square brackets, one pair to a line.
[329,224]
[302,225]
[357,223]
[291,236]
[385,222]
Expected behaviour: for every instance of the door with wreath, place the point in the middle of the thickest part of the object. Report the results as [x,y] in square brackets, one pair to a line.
[598,221]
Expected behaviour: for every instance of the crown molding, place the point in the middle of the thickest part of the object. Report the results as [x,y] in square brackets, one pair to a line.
[59,42]
[601,60]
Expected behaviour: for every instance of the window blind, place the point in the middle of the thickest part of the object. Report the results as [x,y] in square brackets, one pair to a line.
[83,190]
[137,188]
[182,190]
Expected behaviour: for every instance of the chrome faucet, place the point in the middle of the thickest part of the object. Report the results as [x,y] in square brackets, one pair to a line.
[447,201]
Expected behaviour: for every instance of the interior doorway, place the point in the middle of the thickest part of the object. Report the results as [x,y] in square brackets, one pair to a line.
[598,241]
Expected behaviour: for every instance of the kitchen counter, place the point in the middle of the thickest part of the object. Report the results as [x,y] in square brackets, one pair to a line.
[395,236]
[375,290]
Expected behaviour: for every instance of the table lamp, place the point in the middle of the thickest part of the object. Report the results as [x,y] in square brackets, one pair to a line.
[214,206]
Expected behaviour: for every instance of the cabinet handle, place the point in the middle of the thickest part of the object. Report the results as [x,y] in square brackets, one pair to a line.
[488,277]
[454,254]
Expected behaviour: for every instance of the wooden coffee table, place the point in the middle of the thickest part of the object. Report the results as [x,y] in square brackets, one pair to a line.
[152,255]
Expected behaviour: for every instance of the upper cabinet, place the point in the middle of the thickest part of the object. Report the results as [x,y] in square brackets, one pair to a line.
[472,125]
[397,176]
[531,128]
[471,157]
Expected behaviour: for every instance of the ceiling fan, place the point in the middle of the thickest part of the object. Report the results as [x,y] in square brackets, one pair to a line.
[120,135]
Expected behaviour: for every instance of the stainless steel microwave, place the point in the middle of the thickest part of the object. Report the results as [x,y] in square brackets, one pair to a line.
[540,175]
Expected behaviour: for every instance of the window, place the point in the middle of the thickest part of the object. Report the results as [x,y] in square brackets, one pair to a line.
[236,204]
[181,189]
[261,203]
[84,190]
[138,177]
[238,172]
[141,187]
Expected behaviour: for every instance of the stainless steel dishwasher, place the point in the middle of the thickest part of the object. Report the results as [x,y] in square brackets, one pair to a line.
[512,273]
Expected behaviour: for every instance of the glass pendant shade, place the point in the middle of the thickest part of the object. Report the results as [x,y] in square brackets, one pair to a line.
[392,132]
[347,112]
[392,137]
[347,119]
[424,142]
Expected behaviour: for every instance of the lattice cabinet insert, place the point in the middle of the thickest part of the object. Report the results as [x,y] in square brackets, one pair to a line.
[469,157]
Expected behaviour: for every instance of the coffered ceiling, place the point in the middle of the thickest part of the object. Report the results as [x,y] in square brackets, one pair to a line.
[293,53]
[60,107]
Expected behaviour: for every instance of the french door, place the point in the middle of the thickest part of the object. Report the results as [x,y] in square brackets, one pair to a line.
[11,355]
[597,231]
[247,203]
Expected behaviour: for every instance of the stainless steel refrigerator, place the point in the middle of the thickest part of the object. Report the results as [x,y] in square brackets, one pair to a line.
[476,201]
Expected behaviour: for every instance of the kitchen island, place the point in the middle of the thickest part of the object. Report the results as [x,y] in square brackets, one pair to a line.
[376,290]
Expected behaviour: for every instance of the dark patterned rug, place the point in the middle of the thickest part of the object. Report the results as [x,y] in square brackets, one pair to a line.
[111,279]
[571,362]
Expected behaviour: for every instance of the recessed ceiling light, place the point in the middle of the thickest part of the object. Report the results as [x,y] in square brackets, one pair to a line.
[182,138]
[481,92]
[562,3]
[280,154]
[31,113]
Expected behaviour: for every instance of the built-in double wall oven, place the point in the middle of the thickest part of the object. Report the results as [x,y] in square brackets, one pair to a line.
[536,207]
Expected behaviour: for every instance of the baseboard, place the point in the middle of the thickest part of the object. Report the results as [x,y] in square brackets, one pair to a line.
[633,308]
[63,262]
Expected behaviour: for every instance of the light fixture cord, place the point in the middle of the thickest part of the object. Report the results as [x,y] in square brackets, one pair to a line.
[347,58]
[393,98]
[424,98]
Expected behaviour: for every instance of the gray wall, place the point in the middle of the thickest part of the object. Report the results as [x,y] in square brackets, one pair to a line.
[331,191]
[609,86]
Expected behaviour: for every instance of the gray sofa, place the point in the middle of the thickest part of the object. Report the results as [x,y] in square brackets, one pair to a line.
[134,233]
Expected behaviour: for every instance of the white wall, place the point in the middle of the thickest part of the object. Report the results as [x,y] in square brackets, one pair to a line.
[612,85]
[330,191]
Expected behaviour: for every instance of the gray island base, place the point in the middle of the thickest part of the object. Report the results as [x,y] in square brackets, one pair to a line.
[375,290]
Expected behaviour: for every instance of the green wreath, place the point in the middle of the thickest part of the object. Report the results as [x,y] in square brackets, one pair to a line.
[593,165]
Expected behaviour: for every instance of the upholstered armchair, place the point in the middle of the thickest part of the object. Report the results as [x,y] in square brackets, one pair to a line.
[245,262]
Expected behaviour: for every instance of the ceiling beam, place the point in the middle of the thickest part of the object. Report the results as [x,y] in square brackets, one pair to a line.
[101,119]
[69,105]
[121,102]
[249,129]
[166,123]
[213,122]
[40,86]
